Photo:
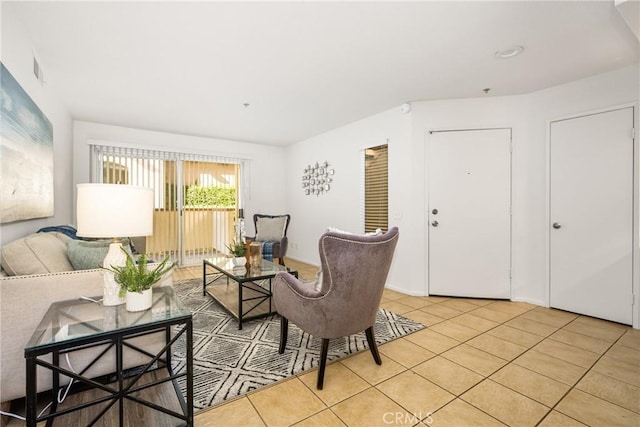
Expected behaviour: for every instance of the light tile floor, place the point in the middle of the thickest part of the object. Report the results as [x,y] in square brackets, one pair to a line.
[478,363]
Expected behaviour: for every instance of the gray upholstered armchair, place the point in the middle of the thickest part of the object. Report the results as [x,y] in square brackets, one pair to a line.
[272,229]
[354,273]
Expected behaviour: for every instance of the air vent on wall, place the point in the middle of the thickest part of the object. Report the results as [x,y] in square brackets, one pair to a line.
[37,71]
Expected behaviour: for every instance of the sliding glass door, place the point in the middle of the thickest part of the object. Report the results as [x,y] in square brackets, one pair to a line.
[196,198]
[209,195]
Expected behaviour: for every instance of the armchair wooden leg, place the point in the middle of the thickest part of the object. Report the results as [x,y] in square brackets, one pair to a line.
[284,332]
[372,345]
[323,362]
[281,260]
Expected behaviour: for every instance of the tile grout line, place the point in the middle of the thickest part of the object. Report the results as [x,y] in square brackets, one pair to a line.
[459,396]
[571,387]
[485,378]
[589,370]
[424,309]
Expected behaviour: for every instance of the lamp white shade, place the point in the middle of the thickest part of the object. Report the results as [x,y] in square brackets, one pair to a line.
[114,210]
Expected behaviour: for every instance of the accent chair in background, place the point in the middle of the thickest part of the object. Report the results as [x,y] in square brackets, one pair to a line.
[271,231]
[353,276]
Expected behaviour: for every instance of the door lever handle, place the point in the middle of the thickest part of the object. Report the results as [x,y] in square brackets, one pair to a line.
[557,225]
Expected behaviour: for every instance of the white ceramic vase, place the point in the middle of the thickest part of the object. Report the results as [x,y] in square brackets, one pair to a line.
[239,261]
[139,301]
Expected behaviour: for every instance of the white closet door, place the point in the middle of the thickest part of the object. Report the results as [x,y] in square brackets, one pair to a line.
[470,213]
[591,213]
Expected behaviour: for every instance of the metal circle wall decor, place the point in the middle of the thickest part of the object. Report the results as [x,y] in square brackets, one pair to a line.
[317,178]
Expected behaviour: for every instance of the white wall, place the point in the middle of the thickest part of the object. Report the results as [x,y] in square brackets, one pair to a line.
[265,165]
[341,207]
[528,116]
[17,57]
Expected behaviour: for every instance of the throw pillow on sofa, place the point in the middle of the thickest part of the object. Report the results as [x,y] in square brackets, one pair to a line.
[37,253]
[85,255]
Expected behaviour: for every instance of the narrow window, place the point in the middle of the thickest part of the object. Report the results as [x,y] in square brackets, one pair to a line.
[376,188]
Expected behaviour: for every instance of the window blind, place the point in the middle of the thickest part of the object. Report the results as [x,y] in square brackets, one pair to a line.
[376,194]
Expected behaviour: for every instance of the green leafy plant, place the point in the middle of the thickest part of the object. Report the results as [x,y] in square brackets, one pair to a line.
[136,277]
[237,249]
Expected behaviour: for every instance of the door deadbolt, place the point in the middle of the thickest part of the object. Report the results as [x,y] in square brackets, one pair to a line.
[434,223]
[557,225]
[435,211]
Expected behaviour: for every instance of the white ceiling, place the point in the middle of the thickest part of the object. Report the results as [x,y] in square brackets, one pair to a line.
[306,67]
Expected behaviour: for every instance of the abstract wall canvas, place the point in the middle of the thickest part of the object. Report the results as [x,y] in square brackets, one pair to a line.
[26,150]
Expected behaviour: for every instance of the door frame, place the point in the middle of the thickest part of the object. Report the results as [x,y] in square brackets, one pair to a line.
[635,274]
[427,209]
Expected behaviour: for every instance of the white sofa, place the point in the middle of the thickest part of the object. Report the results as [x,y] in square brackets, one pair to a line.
[23,302]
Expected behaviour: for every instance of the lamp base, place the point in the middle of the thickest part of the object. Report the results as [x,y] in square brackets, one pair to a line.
[111,288]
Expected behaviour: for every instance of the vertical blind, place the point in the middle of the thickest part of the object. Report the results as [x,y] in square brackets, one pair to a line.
[376,188]
[196,197]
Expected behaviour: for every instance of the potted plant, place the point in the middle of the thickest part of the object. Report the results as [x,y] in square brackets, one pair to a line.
[136,280]
[238,250]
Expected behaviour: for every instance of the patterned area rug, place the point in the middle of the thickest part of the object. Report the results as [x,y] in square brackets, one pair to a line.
[229,362]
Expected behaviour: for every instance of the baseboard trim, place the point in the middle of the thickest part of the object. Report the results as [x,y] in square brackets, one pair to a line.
[530,301]
[300,260]
[404,291]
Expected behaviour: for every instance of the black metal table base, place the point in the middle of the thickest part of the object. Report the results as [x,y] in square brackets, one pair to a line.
[124,389]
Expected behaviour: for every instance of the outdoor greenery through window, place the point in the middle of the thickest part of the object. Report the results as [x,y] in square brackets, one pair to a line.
[210,197]
[376,188]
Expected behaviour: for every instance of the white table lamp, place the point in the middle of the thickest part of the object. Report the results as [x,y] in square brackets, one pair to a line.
[114,211]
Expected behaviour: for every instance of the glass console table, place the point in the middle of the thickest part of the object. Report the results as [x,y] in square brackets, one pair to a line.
[73,325]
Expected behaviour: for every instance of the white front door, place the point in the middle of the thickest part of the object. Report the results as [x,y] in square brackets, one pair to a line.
[591,215]
[470,213]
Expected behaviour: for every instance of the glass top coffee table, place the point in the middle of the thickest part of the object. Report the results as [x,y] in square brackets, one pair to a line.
[246,292]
